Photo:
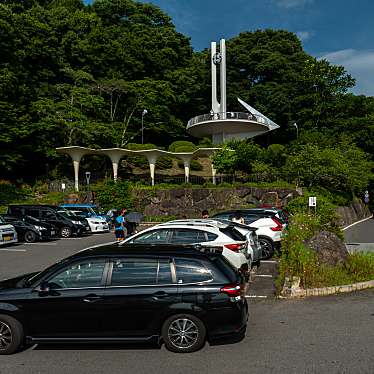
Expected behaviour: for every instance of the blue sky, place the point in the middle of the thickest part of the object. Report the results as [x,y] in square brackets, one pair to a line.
[341,31]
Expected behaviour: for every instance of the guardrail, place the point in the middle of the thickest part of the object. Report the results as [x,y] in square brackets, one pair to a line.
[228,116]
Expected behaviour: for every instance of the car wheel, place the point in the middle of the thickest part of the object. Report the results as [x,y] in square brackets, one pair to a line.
[183,333]
[11,335]
[30,236]
[267,247]
[65,232]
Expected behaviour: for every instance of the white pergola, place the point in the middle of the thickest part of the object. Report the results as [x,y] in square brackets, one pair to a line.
[152,155]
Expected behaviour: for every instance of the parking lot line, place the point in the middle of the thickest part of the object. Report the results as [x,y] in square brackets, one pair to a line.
[264,275]
[12,250]
[255,297]
[38,243]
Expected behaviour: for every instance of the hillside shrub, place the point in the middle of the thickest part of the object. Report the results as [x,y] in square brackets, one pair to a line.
[182,146]
[165,162]
[195,165]
[113,195]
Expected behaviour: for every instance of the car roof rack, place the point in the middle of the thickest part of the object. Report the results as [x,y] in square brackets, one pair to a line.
[207,222]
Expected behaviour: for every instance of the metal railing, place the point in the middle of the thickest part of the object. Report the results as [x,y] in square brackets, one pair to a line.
[228,116]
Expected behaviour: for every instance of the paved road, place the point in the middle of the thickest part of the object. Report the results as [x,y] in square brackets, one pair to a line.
[317,335]
[360,236]
[26,258]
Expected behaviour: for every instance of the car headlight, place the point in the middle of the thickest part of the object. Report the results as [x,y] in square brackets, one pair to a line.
[40,228]
[77,222]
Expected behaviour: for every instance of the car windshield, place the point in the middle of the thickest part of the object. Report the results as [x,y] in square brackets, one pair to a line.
[66,213]
[78,213]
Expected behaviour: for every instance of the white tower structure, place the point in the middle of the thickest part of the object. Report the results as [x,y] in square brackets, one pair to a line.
[220,124]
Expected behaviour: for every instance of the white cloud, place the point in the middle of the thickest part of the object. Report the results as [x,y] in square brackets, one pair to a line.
[293,3]
[304,35]
[358,63]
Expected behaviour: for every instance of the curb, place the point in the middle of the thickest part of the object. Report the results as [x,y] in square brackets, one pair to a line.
[355,223]
[290,293]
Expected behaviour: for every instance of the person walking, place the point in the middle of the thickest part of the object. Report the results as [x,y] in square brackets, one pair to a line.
[119,226]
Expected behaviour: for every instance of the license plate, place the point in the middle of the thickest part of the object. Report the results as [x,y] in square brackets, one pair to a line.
[53,232]
[7,237]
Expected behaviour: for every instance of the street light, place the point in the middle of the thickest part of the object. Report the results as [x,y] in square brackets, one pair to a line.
[145,111]
[88,176]
[297,129]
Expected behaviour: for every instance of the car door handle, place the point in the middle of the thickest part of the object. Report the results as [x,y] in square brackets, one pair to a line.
[159,295]
[91,298]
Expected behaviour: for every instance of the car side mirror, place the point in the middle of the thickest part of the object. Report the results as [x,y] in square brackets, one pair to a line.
[43,288]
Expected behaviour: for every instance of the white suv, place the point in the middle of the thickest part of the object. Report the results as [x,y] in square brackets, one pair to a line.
[207,232]
[270,229]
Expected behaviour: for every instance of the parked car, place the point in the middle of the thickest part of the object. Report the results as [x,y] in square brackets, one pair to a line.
[278,213]
[209,233]
[89,210]
[96,223]
[179,295]
[269,228]
[50,214]
[254,249]
[8,233]
[30,232]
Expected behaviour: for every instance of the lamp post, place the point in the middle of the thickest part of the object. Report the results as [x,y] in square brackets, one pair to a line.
[88,176]
[297,129]
[145,111]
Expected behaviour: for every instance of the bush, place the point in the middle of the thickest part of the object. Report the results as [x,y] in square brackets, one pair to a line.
[326,211]
[113,195]
[182,146]
[165,162]
[296,259]
[139,147]
[195,165]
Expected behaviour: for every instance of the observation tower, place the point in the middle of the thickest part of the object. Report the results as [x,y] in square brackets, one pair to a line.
[222,125]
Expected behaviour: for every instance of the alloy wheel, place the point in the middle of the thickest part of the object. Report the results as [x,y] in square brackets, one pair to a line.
[30,237]
[65,232]
[267,248]
[5,336]
[183,333]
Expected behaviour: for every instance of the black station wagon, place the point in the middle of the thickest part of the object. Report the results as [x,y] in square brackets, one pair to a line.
[179,295]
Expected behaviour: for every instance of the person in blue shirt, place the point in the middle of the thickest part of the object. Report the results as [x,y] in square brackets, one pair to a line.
[119,226]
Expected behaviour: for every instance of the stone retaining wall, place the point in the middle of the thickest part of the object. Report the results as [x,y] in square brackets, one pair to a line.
[189,202]
[356,211]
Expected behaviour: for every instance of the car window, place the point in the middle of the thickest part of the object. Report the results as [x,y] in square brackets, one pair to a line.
[79,275]
[135,271]
[188,236]
[211,236]
[233,233]
[46,214]
[154,236]
[227,216]
[32,212]
[191,271]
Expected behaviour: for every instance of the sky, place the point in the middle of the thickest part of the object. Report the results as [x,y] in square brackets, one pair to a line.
[342,31]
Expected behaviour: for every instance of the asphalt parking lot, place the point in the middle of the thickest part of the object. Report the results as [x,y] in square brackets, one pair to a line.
[315,335]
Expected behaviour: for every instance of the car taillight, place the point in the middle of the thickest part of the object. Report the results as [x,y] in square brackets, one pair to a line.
[235,247]
[232,290]
[279,226]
